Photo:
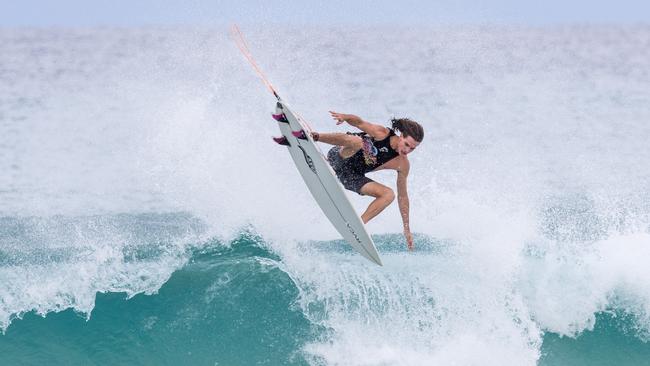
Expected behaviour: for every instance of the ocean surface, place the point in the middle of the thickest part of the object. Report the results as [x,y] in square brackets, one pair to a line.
[147,218]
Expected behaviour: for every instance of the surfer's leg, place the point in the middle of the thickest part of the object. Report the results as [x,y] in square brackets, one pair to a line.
[350,144]
[383,197]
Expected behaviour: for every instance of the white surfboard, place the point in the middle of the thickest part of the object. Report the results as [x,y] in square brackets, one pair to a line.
[324,185]
[315,170]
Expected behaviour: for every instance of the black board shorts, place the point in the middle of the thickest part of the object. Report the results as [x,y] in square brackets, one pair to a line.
[351,178]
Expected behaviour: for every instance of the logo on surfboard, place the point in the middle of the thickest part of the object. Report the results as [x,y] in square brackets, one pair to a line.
[308,160]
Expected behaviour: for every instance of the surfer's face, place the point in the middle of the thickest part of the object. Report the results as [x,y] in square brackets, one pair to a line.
[406,145]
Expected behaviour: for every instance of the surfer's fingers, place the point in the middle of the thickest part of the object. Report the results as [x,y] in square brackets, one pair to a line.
[338,117]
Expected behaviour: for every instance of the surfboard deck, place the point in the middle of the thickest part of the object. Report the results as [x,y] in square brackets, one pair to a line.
[323,184]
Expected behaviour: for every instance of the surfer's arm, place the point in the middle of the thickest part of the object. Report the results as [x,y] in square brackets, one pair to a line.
[403,202]
[376,131]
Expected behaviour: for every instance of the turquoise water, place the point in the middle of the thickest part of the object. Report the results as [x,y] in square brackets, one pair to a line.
[233,305]
[613,341]
[227,306]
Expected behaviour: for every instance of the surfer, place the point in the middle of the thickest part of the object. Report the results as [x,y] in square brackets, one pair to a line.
[375,148]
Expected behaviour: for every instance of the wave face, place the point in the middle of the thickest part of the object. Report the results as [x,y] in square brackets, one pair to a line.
[147,218]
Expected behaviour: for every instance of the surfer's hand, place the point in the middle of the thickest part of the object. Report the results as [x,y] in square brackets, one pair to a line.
[339,117]
[409,238]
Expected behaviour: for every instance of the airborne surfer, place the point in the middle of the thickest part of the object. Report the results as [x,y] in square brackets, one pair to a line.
[375,148]
[354,154]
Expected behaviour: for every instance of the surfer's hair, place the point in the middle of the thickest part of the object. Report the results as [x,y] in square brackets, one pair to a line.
[408,127]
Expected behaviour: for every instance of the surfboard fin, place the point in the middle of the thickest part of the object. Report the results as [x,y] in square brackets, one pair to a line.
[280,117]
[281,141]
[299,134]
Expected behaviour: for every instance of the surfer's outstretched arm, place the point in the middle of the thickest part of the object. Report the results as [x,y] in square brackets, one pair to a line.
[378,132]
[403,201]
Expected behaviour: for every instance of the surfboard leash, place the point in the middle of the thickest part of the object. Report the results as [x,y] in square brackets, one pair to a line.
[238,37]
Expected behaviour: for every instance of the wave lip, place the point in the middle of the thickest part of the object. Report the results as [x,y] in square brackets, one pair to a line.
[52,264]
[229,304]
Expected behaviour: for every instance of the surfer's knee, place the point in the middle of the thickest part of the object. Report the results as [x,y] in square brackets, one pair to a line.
[388,195]
[351,146]
[354,143]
